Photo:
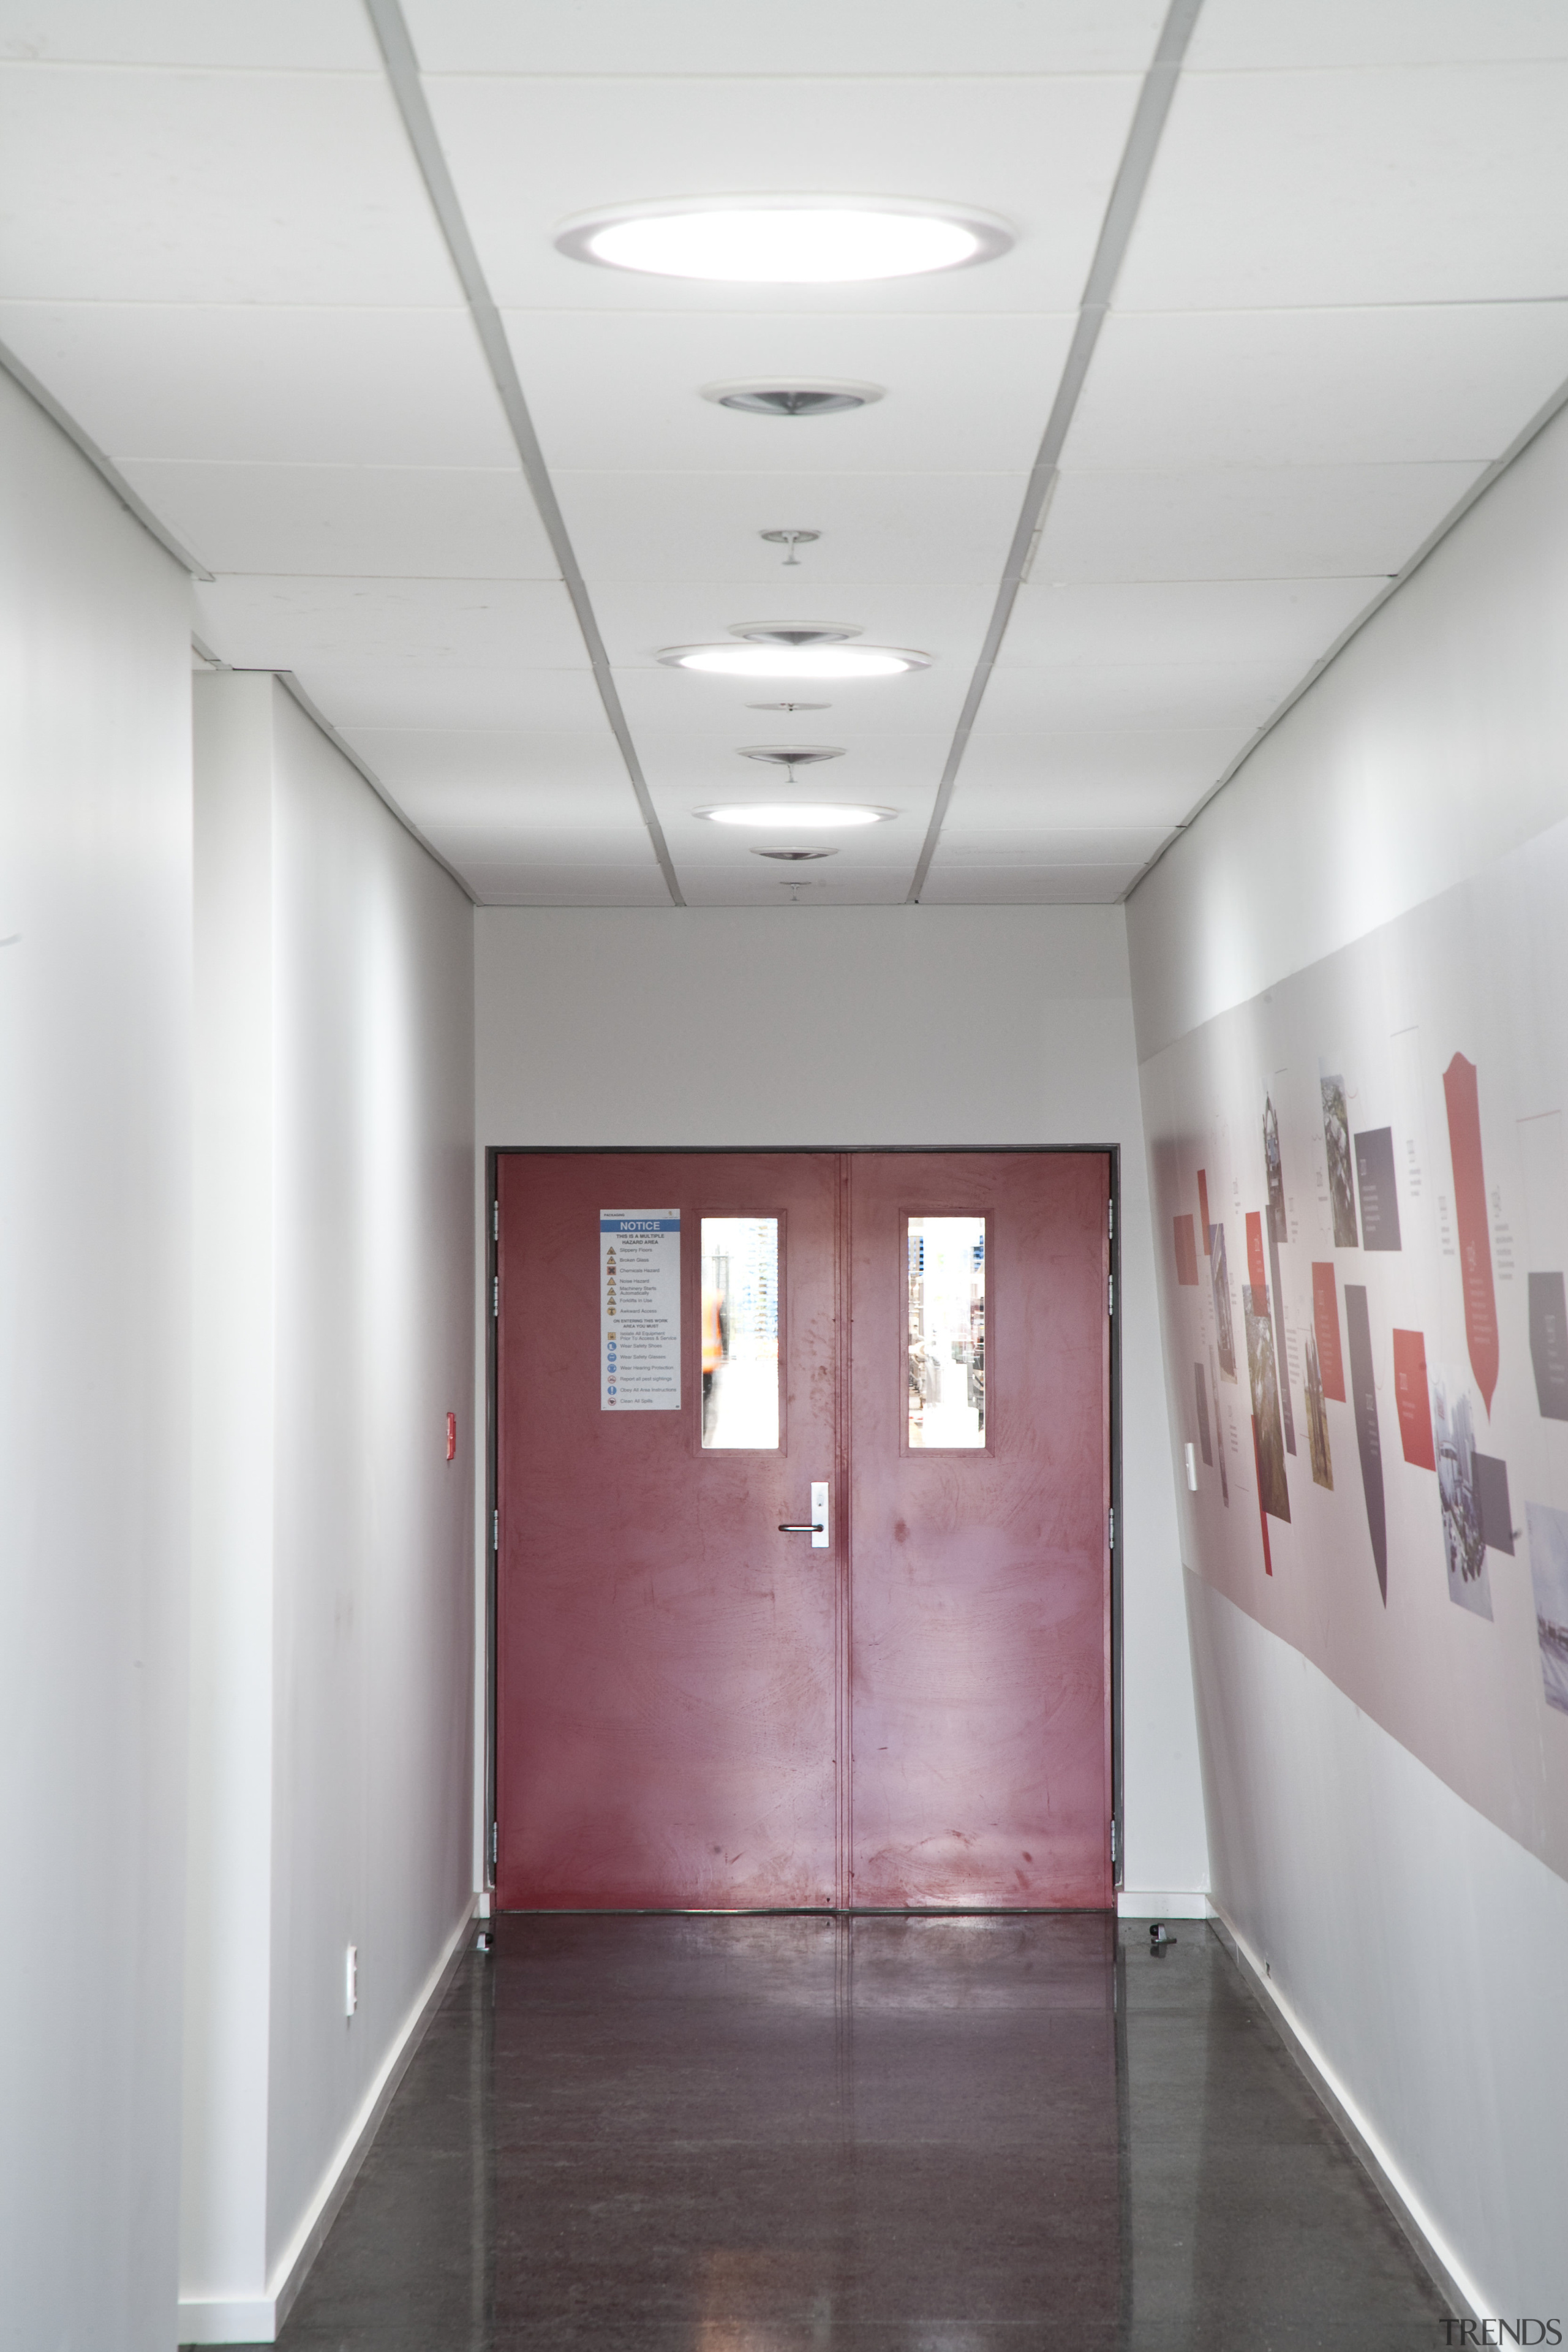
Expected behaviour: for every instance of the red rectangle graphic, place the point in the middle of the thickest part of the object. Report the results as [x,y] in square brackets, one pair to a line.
[1203,1225]
[1186,1252]
[1256,1272]
[1412,1398]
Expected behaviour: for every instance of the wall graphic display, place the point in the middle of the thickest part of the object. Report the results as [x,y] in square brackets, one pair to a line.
[1381,1139]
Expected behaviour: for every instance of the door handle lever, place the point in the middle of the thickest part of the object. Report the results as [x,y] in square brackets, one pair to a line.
[817,1525]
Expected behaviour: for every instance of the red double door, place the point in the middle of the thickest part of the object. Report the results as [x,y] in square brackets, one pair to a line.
[699,1705]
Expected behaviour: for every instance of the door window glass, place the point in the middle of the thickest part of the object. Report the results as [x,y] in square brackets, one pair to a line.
[741,1332]
[946,1344]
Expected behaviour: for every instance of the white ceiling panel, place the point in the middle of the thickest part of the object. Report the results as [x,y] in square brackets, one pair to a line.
[623,393]
[671,709]
[456,698]
[1014,885]
[1318,388]
[264,623]
[1319,190]
[528,155]
[500,880]
[263,386]
[369,520]
[1278,627]
[138,186]
[320,35]
[1233,35]
[1132,697]
[887,527]
[565,784]
[1043,845]
[1079,784]
[812,37]
[1244,522]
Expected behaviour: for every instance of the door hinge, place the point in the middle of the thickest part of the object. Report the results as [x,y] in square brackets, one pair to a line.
[495,1221]
[495,1296]
[1110,1294]
[1112,1526]
[495,1835]
[1110,1219]
[495,1531]
[1113,1845]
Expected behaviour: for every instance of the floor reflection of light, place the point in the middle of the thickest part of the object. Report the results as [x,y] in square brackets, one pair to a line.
[761,2301]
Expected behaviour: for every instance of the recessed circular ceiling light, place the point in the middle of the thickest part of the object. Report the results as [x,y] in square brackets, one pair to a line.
[783,396]
[785,240]
[820,816]
[792,755]
[795,856]
[812,661]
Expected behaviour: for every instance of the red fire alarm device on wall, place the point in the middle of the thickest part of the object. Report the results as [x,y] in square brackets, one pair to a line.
[451,1437]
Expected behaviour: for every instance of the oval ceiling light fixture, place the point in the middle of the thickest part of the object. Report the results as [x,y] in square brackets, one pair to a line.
[813,816]
[813,659]
[785,240]
[772,395]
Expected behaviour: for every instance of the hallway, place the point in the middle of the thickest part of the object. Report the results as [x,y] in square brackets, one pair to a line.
[928,2135]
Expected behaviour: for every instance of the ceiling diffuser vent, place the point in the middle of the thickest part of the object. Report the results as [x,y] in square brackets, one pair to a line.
[791,399]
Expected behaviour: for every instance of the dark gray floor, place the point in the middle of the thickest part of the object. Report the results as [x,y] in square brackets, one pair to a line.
[926,2135]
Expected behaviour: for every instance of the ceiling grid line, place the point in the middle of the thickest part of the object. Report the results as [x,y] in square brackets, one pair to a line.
[402,73]
[1121,217]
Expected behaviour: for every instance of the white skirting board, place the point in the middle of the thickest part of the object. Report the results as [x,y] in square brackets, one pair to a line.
[1437,2258]
[1161,1903]
[255,2319]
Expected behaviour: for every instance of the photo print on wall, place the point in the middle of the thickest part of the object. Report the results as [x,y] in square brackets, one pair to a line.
[1464,1545]
[1225,1336]
[1549,1576]
[1337,1146]
[1318,1420]
[1263,1377]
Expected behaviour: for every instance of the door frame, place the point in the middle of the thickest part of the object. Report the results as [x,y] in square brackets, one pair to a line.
[496,1152]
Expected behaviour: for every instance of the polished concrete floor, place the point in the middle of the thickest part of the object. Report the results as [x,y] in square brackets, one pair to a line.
[918,2134]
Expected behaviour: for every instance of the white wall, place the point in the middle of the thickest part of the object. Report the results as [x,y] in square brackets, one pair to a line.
[873,1026]
[95,997]
[1404,1923]
[332,1733]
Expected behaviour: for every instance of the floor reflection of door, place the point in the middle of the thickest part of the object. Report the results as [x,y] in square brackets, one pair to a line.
[700,1707]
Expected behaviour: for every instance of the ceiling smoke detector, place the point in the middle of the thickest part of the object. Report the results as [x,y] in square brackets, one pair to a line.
[794,857]
[792,755]
[770,396]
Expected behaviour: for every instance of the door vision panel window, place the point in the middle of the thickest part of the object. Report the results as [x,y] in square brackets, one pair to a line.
[827,1624]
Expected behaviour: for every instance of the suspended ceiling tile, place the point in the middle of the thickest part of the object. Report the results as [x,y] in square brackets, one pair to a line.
[671,711]
[1276,628]
[806,890]
[565,783]
[1050,848]
[519,881]
[263,386]
[321,35]
[292,623]
[1134,700]
[875,773]
[457,523]
[812,37]
[1272,35]
[927,527]
[1016,885]
[529,153]
[1245,521]
[617,391]
[1320,190]
[1020,785]
[457,698]
[1319,387]
[137,186]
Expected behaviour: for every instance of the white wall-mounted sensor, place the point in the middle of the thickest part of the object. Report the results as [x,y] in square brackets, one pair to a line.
[1192,1469]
